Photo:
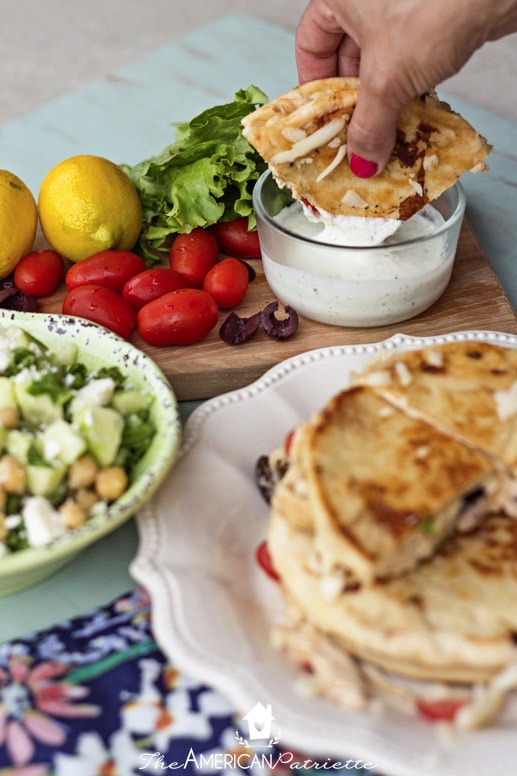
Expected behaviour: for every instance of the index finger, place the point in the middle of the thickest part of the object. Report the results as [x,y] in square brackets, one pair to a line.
[317,45]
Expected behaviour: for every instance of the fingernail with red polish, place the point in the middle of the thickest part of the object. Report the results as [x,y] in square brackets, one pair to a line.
[362,167]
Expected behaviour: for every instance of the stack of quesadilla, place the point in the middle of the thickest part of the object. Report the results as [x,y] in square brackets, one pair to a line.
[393,531]
[302,135]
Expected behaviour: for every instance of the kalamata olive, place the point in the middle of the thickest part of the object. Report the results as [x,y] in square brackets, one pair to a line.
[12,299]
[251,270]
[268,475]
[280,328]
[235,330]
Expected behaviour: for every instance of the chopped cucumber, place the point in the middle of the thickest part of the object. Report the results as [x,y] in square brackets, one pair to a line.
[66,355]
[128,402]
[36,410]
[43,480]
[7,397]
[60,441]
[102,427]
[18,444]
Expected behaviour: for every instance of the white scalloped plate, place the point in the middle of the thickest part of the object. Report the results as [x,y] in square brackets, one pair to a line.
[213,606]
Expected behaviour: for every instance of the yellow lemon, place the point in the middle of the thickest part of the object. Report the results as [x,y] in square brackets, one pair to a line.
[88,204]
[18,221]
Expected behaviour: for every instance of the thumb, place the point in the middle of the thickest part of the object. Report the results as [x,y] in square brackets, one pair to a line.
[371,134]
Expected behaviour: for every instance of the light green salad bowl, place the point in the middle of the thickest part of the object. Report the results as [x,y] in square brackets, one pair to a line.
[97,347]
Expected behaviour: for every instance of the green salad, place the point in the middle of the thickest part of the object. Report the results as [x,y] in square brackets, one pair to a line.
[207,175]
[70,438]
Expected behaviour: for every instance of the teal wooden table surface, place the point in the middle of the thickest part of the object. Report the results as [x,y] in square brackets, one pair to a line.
[127,117]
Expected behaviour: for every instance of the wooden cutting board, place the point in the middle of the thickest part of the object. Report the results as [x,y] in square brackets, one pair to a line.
[474,299]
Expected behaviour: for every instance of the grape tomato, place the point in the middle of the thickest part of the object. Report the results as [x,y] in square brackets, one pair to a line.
[111,269]
[193,254]
[227,281]
[103,306]
[179,317]
[235,239]
[39,273]
[151,284]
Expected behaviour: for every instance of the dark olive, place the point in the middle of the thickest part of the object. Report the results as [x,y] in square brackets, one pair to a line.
[279,327]
[235,330]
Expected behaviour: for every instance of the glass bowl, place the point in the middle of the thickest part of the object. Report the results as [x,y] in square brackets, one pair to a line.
[361,286]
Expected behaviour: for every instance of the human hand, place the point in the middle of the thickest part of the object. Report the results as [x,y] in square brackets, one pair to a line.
[399,50]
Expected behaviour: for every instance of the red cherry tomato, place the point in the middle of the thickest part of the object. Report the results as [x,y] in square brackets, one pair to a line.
[178,318]
[150,284]
[288,441]
[109,268]
[193,254]
[263,558]
[39,273]
[235,239]
[101,305]
[227,281]
[439,710]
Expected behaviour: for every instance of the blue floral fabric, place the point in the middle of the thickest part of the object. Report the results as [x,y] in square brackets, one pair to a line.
[95,696]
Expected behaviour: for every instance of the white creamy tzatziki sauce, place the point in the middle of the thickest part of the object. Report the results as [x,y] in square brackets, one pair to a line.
[374,281]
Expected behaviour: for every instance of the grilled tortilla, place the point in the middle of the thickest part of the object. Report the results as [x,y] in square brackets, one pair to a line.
[467,388]
[380,488]
[302,136]
[453,619]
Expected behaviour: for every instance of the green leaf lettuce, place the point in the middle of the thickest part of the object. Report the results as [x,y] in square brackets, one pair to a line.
[206,175]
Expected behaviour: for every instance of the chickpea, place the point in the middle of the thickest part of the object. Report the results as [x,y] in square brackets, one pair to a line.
[13,477]
[86,498]
[82,473]
[111,482]
[73,514]
[9,417]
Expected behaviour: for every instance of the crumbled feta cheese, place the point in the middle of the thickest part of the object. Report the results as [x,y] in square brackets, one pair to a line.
[353,199]
[506,402]
[42,522]
[430,162]
[377,378]
[294,134]
[51,449]
[434,358]
[96,393]
[417,186]
[403,373]
[12,521]
[331,585]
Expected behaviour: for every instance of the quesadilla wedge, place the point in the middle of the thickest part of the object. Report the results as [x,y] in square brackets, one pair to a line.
[302,135]
[467,388]
[384,489]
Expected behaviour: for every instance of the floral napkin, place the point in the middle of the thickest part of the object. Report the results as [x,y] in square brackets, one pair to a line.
[94,696]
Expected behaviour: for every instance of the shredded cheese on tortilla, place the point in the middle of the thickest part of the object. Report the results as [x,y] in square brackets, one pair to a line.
[304,146]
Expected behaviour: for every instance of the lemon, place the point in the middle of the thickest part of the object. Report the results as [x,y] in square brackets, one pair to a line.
[88,204]
[18,221]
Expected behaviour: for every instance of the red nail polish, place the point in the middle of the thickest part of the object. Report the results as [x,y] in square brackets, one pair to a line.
[362,167]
